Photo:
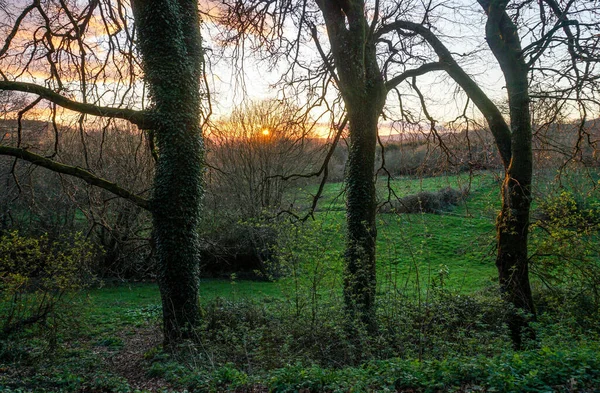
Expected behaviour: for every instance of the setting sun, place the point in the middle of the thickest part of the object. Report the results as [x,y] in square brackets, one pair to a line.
[265,131]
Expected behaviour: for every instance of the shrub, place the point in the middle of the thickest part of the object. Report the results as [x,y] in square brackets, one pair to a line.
[566,246]
[256,336]
[243,248]
[542,370]
[425,202]
[35,276]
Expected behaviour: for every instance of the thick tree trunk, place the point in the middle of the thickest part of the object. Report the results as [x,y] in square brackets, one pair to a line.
[363,90]
[360,267]
[172,64]
[512,260]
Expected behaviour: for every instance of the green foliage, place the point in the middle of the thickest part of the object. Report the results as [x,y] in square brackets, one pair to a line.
[542,370]
[440,329]
[71,370]
[219,379]
[565,240]
[35,276]
[258,335]
[250,341]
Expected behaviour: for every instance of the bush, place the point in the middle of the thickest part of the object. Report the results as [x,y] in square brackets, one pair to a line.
[35,276]
[243,248]
[60,205]
[257,336]
[542,370]
[425,202]
[566,246]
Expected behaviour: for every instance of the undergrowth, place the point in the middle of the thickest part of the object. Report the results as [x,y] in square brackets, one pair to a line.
[440,329]
[453,344]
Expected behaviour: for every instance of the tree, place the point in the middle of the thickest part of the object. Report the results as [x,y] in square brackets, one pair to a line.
[251,151]
[374,47]
[363,90]
[87,55]
[354,69]
[521,68]
[350,61]
[250,154]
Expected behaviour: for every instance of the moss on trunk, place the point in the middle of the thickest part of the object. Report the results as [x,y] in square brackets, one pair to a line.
[170,44]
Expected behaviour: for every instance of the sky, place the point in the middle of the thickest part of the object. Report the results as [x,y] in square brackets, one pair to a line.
[461,27]
[230,87]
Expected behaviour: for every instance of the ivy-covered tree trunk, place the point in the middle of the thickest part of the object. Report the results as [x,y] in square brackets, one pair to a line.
[513,221]
[360,268]
[170,45]
[363,90]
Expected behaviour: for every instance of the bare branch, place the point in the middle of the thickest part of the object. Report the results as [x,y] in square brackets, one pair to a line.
[425,68]
[16,26]
[498,125]
[139,118]
[76,172]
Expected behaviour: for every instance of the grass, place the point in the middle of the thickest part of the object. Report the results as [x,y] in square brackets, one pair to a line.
[332,198]
[414,248]
[415,251]
[417,255]
[115,306]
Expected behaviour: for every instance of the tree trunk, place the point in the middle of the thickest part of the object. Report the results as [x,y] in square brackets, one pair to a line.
[513,221]
[360,267]
[172,64]
[363,90]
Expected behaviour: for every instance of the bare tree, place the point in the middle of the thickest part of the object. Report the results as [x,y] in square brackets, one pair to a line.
[571,64]
[375,48]
[252,151]
[84,57]
[353,67]
[351,58]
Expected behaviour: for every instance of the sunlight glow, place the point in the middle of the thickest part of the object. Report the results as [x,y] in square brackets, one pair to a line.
[265,131]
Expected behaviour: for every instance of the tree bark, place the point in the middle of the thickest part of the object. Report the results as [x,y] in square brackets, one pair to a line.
[170,44]
[363,90]
[361,206]
[513,221]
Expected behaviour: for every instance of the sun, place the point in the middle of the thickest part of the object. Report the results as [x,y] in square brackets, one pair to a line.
[265,131]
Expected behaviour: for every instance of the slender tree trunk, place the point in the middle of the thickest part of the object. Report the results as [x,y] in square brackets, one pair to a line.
[513,221]
[170,44]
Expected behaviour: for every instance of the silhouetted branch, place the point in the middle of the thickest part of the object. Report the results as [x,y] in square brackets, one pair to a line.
[425,68]
[76,172]
[139,118]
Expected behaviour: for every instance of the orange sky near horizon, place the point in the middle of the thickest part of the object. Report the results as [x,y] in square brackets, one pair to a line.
[229,87]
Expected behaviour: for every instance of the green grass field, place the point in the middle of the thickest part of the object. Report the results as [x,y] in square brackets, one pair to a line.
[412,249]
